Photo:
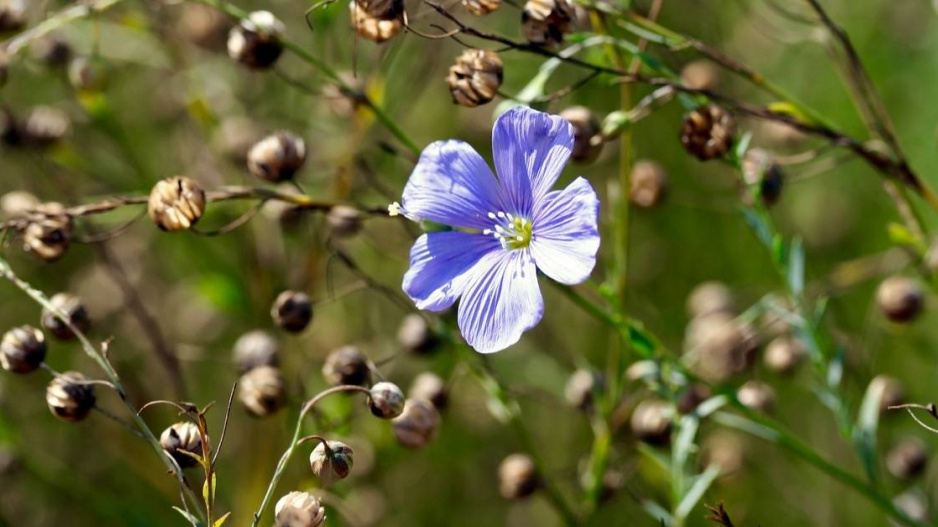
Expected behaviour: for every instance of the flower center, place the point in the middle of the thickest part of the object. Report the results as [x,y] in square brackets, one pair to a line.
[514,232]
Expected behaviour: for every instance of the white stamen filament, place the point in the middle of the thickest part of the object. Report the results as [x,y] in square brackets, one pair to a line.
[513,232]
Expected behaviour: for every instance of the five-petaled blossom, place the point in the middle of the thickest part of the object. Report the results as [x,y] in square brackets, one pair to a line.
[505,228]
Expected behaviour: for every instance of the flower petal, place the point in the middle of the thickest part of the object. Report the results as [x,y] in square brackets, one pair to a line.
[439,262]
[530,148]
[566,237]
[452,185]
[501,300]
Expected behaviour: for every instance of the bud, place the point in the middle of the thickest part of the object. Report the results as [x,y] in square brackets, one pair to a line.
[517,477]
[277,157]
[700,75]
[347,365]
[72,307]
[377,20]
[901,299]
[756,395]
[760,169]
[261,391]
[299,509]
[386,400]
[182,437]
[544,22]
[708,132]
[417,425]
[784,354]
[416,336]
[17,203]
[691,398]
[88,74]
[331,461]
[12,15]
[481,7]
[292,311]
[256,348]
[907,459]
[587,136]
[581,388]
[651,422]
[710,298]
[69,398]
[255,42]
[344,221]
[429,386]
[46,126]
[176,203]
[53,51]
[22,349]
[203,25]
[649,183]
[475,78]
[892,392]
[49,234]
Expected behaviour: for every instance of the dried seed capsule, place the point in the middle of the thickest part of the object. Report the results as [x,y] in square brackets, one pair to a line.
[416,336]
[691,398]
[651,422]
[345,100]
[386,400]
[182,437]
[418,425]
[292,311]
[723,347]
[710,298]
[261,391]
[587,139]
[255,42]
[203,25]
[22,349]
[176,203]
[481,7]
[892,391]
[708,132]
[475,78]
[45,126]
[344,221]
[17,204]
[429,386]
[12,15]
[700,75]
[73,308]
[347,365]
[331,461]
[69,397]
[49,233]
[299,509]
[256,348]
[581,388]
[277,157]
[53,51]
[901,299]
[760,169]
[88,74]
[757,396]
[517,477]
[907,459]
[784,354]
[544,22]
[649,183]
[377,20]
[725,450]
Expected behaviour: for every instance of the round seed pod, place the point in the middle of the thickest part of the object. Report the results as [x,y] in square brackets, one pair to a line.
[784,354]
[710,298]
[581,388]
[517,477]
[377,20]
[88,74]
[73,308]
[649,183]
[54,52]
[331,461]
[701,75]
[892,391]
[176,203]
[12,15]
[708,132]
[691,398]
[725,450]
[262,391]
[203,25]
[914,504]
[612,483]
[299,509]
[45,126]
[901,299]
[182,437]
[347,365]
[254,349]
[255,42]
[416,336]
[344,101]
[907,459]
[757,396]
[17,203]
[292,311]
[760,169]
[277,157]
[481,7]
[49,234]
[475,78]
[69,398]
[22,349]
[651,422]
[723,347]
[344,221]
[235,136]
[386,400]
[544,22]
[430,387]
[587,139]
[417,425]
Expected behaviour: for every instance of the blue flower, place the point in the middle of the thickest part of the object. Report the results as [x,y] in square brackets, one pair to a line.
[505,228]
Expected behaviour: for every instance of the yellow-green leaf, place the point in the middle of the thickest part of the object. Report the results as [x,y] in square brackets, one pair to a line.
[221,520]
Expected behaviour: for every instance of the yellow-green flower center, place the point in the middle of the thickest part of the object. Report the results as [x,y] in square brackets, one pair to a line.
[514,232]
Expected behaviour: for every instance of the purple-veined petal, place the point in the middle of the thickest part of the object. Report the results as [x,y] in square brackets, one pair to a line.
[439,262]
[530,149]
[566,237]
[501,300]
[452,185]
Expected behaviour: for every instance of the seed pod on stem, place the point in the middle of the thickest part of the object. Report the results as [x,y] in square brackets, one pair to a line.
[22,349]
[475,78]
[176,203]
[299,509]
[386,400]
[73,308]
[907,459]
[182,437]
[256,348]
[377,20]
[587,136]
[69,396]
[344,221]
[262,391]
[49,235]
[416,336]
[347,365]
[651,422]
[900,298]
[429,386]
[292,311]
[417,425]
[649,183]
[481,7]
[544,22]
[277,157]
[331,461]
[255,42]
[708,132]
[757,396]
[517,477]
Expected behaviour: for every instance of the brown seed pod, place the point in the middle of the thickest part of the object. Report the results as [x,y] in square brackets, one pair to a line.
[651,422]
[299,509]
[901,299]
[53,51]
[517,477]
[22,349]
[429,386]
[914,504]
[708,132]
[69,397]
[292,311]
[710,298]
[691,398]
[17,203]
[417,425]
[544,22]
[73,308]
[386,400]
[701,75]
[377,20]
[581,388]
[176,203]
[481,7]
[723,347]
[45,126]
[761,170]
[203,25]
[88,74]
[587,139]
[48,234]
[262,391]
[255,42]
[784,354]
[277,157]
[256,348]
[12,15]
[416,336]
[475,78]
[907,459]
[182,437]
[347,365]
[344,221]
[757,396]
[649,183]
[333,463]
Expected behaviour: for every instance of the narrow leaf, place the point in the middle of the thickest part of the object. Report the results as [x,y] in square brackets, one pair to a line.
[220,521]
[697,490]
[189,518]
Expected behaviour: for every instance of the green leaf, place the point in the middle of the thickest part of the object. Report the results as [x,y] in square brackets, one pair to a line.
[189,518]
[697,490]
[220,521]
[796,267]
[864,432]
[641,340]
[900,235]
[205,495]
